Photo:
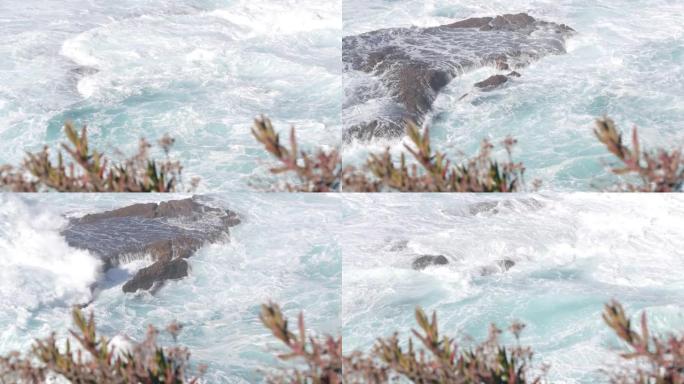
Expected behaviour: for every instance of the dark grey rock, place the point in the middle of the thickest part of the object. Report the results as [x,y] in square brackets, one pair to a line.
[166,232]
[158,272]
[414,64]
[505,264]
[492,82]
[428,260]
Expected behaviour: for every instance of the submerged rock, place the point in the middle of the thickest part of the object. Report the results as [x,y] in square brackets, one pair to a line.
[428,260]
[500,266]
[505,264]
[168,233]
[413,64]
[492,82]
[398,245]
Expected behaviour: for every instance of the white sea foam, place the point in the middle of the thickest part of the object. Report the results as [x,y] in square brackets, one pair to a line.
[39,270]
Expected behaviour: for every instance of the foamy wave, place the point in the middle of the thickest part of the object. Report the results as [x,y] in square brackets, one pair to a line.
[38,267]
[76,49]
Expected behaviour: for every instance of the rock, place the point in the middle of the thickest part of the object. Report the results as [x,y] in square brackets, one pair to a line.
[514,74]
[82,71]
[398,245]
[499,267]
[492,83]
[428,260]
[167,233]
[158,272]
[415,64]
[505,264]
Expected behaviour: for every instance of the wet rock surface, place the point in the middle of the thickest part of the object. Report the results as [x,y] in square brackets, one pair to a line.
[167,232]
[429,260]
[492,82]
[157,273]
[411,65]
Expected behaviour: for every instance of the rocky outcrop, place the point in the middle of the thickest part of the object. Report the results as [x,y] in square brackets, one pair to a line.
[429,260]
[167,233]
[492,82]
[413,64]
[156,273]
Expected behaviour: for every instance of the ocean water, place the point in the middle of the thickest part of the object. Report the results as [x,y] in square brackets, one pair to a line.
[284,250]
[572,254]
[199,70]
[626,61]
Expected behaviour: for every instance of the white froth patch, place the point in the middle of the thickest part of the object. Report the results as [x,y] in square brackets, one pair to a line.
[77,50]
[38,266]
[282,18]
[200,55]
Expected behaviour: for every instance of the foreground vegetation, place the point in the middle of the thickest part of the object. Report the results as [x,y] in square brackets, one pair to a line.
[432,358]
[422,168]
[80,168]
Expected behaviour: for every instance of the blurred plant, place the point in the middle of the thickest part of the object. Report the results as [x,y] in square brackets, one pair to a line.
[434,172]
[317,172]
[441,360]
[659,171]
[656,360]
[323,172]
[320,360]
[322,357]
[91,171]
[446,362]
[95,360]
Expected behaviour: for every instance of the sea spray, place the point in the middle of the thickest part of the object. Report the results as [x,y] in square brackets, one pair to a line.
[39,270]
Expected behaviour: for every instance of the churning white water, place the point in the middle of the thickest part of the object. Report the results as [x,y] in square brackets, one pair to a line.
[284,250]
[199,70]
[572,254]
[626,61]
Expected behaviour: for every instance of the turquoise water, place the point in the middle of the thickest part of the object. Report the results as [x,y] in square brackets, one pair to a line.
[199,70]
[285,250]
[572,254]
[627,61]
